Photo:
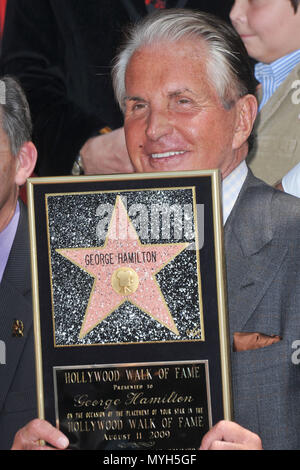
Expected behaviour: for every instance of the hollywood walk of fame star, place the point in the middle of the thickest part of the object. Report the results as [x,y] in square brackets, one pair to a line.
[124,270]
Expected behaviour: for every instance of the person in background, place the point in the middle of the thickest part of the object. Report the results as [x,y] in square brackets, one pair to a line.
[62,52]
[17,159]
[2,18]
[270,30]
[187,90]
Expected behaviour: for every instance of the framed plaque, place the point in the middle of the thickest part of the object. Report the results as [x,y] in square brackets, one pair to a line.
[130,314]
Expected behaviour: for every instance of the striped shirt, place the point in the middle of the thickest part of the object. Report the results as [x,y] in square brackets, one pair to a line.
[231,187]
[272,75]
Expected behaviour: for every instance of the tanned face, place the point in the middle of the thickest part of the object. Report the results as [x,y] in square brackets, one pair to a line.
[174,119]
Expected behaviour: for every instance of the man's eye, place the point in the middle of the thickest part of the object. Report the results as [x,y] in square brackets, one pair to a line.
[135,106]
[138,106]
[184,101]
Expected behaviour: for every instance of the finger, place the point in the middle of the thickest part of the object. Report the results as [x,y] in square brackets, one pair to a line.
[222,445]
[231,432]
[38,430]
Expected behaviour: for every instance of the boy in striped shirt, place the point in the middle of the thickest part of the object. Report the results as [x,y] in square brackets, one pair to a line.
[270,30]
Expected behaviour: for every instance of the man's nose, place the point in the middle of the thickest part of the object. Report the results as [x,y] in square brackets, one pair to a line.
[238,12]
[158,124]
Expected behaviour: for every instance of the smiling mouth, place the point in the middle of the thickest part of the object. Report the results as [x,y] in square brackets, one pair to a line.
[167,154]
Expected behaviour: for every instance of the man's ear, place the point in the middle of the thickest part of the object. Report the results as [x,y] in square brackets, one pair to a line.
[246,114]
[26,160]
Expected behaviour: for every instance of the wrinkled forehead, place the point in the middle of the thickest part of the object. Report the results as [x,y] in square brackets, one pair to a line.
[179,56]
[194,48]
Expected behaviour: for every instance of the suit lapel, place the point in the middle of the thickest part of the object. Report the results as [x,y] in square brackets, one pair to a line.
[13,306]
[252,259]
[249,277]
[15,303]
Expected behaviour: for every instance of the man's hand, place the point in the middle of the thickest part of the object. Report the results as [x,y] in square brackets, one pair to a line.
[106,154]
[29,437]
[227,435]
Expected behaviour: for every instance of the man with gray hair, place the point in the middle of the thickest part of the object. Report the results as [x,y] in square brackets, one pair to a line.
[187,89]
[17,160]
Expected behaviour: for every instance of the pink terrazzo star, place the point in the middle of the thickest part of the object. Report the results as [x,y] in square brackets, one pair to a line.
[123,249]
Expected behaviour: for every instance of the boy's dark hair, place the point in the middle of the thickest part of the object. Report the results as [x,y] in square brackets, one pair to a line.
[295,4]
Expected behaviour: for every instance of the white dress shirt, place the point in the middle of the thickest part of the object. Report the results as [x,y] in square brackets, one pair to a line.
[231,187]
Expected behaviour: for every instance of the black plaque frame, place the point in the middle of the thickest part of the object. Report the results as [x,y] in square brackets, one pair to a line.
[211,348]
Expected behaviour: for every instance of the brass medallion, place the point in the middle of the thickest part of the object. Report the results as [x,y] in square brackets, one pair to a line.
[125,281]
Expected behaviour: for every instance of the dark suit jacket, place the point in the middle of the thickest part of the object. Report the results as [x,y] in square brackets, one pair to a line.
[17,376]
[262,244]
[61,51]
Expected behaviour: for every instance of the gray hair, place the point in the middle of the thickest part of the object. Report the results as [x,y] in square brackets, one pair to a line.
[228,64]
[14,113]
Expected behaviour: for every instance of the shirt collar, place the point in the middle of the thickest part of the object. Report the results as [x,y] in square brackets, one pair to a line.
[277,70]
[231,187]
[7,237]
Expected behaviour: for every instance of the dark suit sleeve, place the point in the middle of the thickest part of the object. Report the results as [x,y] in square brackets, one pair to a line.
[34,49]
